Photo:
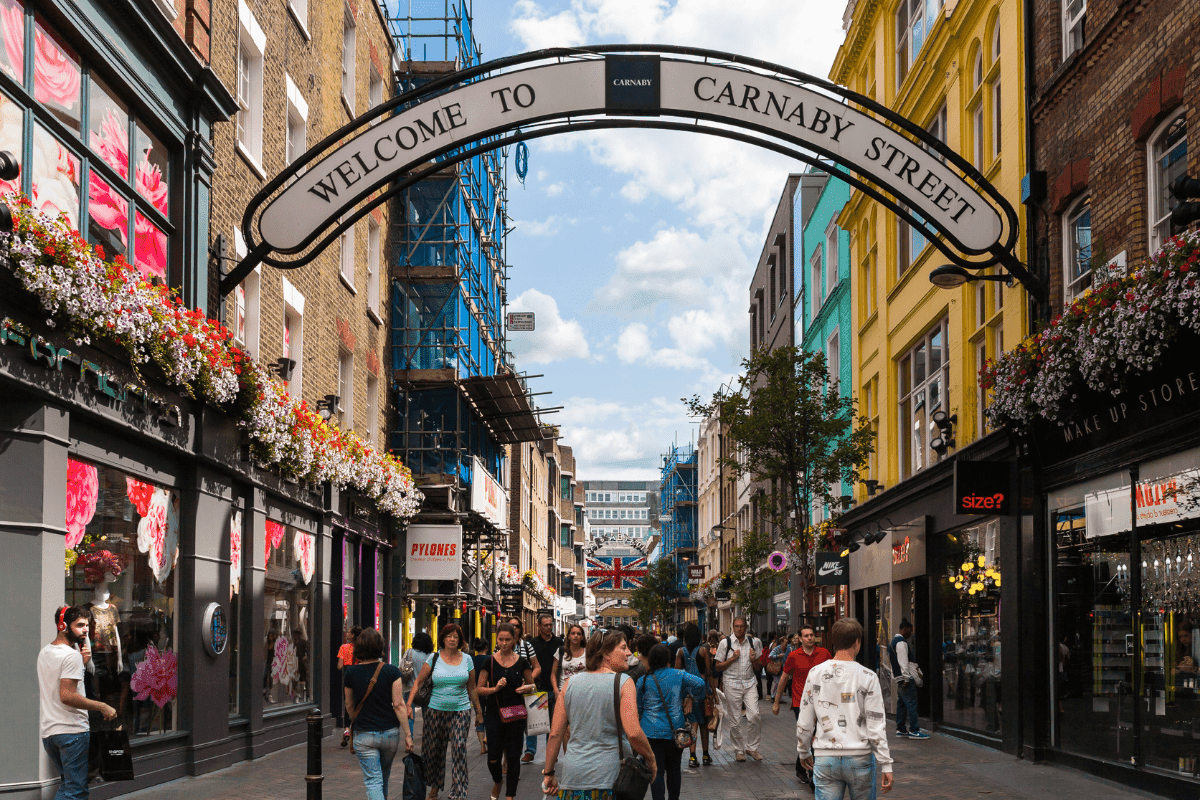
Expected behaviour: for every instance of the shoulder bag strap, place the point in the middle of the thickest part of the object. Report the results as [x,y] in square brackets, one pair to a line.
[353,712]
[617,708]
[663,697]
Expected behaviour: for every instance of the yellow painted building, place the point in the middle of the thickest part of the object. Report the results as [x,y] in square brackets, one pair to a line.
[957,70]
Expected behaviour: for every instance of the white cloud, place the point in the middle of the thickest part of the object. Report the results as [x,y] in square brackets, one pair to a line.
[634,343]
[555,189]
[553,339]
[550,226]
[617,441]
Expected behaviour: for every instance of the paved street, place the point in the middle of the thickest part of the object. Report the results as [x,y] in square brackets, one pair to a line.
[941,768]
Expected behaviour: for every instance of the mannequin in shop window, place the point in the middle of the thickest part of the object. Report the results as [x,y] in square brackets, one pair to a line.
[100,569]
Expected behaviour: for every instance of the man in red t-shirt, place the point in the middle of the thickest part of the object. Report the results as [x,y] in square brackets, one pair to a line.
[795,671]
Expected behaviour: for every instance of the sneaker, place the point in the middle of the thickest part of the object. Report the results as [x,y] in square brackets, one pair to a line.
[527,758]
[739,757]
[902,734]
[707,760]
[918,735]
[754,754]
[692,762]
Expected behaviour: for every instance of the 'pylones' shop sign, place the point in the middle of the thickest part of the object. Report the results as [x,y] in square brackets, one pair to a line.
[636,87]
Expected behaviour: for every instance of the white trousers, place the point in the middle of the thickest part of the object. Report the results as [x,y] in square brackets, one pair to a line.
[746,735]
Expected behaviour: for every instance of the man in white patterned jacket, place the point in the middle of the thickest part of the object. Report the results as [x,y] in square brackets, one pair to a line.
[841,732]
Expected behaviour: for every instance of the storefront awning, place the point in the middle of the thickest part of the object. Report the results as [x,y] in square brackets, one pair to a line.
[504,403]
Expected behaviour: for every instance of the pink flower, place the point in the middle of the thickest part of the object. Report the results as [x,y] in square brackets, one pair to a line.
[83,489]
[235,551]
[156,677]
[112,143]
[304,554]
[152,530]
[12,21]
[55,73]
[150,248]
[106,207]
[150,184]
[139,493]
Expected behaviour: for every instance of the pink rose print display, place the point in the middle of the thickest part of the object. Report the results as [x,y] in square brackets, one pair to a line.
[12,46]
[158,533]
[83,490]
[235,553]
[139,493]
[157,677]
[56,76]
[305,544]
[274,537]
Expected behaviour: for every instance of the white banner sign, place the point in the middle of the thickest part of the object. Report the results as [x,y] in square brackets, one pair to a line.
[488,498]
[434,553]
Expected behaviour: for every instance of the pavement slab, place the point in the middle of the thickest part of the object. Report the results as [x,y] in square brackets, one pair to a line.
[939,768]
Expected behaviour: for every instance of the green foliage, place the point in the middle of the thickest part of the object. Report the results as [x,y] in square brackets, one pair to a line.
[750,589]
[657,595]
[789,431]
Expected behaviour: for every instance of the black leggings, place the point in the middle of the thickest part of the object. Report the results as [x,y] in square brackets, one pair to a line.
[505,739]
[668,757]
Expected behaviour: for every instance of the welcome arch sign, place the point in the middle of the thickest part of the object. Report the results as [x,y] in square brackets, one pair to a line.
[362,165]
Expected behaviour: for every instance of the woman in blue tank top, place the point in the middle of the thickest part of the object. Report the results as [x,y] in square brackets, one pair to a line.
[695,659]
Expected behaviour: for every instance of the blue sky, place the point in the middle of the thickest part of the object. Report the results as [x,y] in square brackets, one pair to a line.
[635,248]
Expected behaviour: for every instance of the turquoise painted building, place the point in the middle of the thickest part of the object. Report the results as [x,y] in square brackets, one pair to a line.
[821,272]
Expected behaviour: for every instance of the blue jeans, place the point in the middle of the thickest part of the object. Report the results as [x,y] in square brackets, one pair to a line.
[833,775]
[69,754]
[906,707]
[376,751]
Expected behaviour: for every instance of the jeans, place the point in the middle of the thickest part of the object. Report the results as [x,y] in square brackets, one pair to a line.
[906,707]
[504,741]
[669,758]
[833,775]
[69,754]
[376,751]
[531,741]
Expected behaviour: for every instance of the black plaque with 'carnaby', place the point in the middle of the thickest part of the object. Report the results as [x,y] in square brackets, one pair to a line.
[632,84]
[833,569]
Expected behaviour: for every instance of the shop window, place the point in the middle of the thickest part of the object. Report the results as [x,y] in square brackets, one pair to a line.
[1074,16]
[122,544]
[970,587]
[378,590]
[287,603]
[1077,250]
[233,621]
[128,186]
[924,379]
[1168,160]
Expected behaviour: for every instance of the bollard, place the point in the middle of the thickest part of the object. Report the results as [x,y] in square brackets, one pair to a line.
[314,776]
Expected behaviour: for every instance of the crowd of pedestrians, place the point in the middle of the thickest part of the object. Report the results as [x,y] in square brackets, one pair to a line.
[610,692]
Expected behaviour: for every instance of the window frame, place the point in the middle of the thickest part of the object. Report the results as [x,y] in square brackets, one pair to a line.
[816,279]
[1156,190]
[374,261]
[252,41]
[371,434]
[833,359]
[345,406]
[832,247]
[347,252]
[293,307]
[1071,24]
[906,413]
[349,57]
[296,119]
[1070,281]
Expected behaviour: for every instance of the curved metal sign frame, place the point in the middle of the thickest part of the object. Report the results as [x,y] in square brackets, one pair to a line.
[519,98]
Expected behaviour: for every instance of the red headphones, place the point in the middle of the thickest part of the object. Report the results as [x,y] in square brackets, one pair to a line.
[62,613]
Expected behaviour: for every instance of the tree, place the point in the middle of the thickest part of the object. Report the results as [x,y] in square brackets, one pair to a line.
[656,597]
[789,428]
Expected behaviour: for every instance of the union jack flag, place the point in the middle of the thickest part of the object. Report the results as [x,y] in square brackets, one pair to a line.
[616,572]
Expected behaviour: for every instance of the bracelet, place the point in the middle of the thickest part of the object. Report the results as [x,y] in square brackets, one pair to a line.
[549,773]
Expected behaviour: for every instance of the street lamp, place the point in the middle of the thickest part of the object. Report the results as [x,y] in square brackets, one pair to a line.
[950,277]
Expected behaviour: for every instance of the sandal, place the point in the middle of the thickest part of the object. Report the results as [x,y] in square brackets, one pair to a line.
[692,762]
[345,738]
[707,760]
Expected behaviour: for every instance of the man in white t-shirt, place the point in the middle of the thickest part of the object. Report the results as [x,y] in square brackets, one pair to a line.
[63,710]
[735,656]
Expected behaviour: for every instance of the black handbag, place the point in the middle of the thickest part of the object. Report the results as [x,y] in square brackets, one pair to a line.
[634,776]
[414,777]
[425,690]
[681,735]
[113,756]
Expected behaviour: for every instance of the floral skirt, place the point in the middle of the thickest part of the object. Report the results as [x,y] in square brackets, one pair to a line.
[585,794]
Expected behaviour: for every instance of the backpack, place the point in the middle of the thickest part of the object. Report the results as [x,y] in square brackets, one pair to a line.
[690,663]
[728,649]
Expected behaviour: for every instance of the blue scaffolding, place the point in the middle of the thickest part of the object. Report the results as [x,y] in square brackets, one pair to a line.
[456,390]
[677,498]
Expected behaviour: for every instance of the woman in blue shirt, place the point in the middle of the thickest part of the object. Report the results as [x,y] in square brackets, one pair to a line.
[448,717]
[660,707]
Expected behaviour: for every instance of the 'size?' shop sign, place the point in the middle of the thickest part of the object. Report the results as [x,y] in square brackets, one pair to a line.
[434,553]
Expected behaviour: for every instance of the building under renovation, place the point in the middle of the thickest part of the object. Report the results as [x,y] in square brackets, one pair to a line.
[458,399]
[677,496]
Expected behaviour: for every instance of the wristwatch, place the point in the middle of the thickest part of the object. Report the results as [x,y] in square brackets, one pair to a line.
[548,773]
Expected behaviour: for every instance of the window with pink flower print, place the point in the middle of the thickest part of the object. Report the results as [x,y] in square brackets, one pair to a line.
[128,198]
[121,548]
[287,602]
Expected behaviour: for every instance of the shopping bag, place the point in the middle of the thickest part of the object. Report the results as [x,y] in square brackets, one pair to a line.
[414,777]
[537,719]
[113,756]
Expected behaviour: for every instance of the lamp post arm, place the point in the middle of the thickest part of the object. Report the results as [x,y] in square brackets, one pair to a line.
[1032,284]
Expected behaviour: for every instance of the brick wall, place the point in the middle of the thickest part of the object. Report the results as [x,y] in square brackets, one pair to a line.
[1094,110]
[336,318]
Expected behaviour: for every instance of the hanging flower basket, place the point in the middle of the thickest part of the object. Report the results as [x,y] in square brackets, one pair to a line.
[92,300]
[1115,331]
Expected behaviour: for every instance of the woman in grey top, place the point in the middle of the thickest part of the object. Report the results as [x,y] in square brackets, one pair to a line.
[586,718]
